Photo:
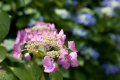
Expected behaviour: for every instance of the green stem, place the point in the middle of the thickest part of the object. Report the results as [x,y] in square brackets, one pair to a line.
[41,73]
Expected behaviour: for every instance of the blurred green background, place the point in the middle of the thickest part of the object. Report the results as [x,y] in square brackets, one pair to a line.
[94,25]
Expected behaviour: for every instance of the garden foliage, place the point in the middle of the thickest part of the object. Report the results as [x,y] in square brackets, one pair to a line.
[92,24]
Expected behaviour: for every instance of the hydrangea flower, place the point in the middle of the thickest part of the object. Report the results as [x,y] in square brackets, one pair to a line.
[95,55]
[89,52]
[80,32]
[41,18]
[27,56]
[72,47]
[63,13]
[49,64]
[32,22]
[113,36]
[116,39]
[72,2]
[21,37]
[110,68]
[112,3]
[108,11]
[43,40]
[85,19]
[67,60]
[17,51]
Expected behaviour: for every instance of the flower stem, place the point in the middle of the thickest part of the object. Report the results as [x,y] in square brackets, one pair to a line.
[41,73]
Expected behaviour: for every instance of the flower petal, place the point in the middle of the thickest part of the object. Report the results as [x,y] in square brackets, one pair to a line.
[64,60]
[27,56]
[64,51]
[49,65]
[17,51]
[16,54]
[65,64]
[74,61]
[21,37]
[71,45]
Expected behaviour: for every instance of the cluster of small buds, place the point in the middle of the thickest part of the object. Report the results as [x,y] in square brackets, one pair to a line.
[53,54]
[49,39]
[43,39]
[31,46]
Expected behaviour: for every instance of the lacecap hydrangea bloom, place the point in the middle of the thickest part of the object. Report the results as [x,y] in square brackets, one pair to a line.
[107,11]
[44,41]
[72,2]
[89,52]
[84,18]
[79,32]
[110,68]
[62,13]
[112,3]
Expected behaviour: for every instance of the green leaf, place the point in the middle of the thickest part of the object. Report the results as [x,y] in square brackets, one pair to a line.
[65,73]
[3,53]
[34,70]
[95,62]
[6,7]
[6,75]
[37,54]
[21,74]
[13,59]
[25,2]
[81,61]
[22,22]
[41,48]
[79,75]
[59,3]
[55,76]
[4,24]
[40,53]
[39,61]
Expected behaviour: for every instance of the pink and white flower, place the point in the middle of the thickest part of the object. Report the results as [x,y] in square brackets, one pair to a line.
[52,42]
[49,65]
[61,38]
[67,60]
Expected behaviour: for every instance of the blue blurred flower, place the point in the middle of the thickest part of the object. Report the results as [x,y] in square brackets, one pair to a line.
[80,32]
[112,3]
[95,55]
[108,11]
[83,48]
[41,18]
[110,68]
[89,52]
[72,2]
[63,13]
[116,39]
[113,36]
[85,19]
[31,23]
